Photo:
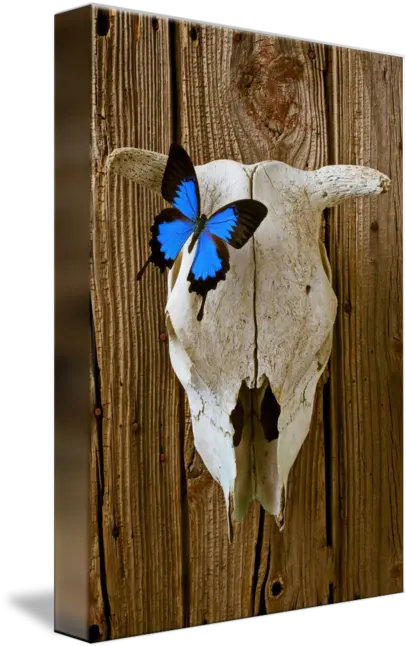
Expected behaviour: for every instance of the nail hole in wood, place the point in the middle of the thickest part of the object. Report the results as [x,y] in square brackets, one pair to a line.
[103,22]
[276,588]
[193,34]
[94,633]
[155,24]
[308,288]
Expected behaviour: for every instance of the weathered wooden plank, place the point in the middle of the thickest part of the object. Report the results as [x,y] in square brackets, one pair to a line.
[137,444]
[98,625]
[252,97]
[220,575]
[365,244]
[301,559]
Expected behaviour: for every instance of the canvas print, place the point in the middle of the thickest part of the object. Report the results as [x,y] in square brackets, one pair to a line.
[241,237]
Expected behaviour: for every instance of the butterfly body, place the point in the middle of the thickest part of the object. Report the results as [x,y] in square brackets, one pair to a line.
[233,224]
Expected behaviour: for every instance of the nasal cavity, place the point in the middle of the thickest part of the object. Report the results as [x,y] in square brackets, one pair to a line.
[270,411]
[237,420]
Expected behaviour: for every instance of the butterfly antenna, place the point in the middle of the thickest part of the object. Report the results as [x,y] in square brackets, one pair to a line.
[143,268]
[201,311]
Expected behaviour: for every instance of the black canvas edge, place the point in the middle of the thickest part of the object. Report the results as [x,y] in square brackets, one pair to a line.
[373,610]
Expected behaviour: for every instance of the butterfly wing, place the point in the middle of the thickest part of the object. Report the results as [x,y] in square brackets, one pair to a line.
[170,231]
[210,265]
[172,227]
[179,184]
[236,222]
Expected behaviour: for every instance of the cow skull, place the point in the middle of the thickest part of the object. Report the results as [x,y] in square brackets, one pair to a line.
[269,324]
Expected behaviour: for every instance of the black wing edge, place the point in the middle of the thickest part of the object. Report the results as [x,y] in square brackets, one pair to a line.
[178,167]
[156,255]
[202,287]
[250,215]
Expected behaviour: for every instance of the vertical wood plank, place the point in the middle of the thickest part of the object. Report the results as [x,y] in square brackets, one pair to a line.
[365,243]
[98,625]
[138,510]
[252,97]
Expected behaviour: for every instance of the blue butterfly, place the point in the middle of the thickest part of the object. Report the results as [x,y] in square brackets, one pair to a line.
[233,224]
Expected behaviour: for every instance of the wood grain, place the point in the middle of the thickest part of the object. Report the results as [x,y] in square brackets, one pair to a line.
[138,447]
[251,97]
[160,556]
[365,245]
[98,623]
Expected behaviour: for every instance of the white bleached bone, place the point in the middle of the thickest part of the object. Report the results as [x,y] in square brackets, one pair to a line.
[270,321]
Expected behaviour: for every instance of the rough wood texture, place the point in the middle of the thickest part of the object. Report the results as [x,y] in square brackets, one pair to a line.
[98,623]
[252,97]
[365,242]
[159,537]
[138,511]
